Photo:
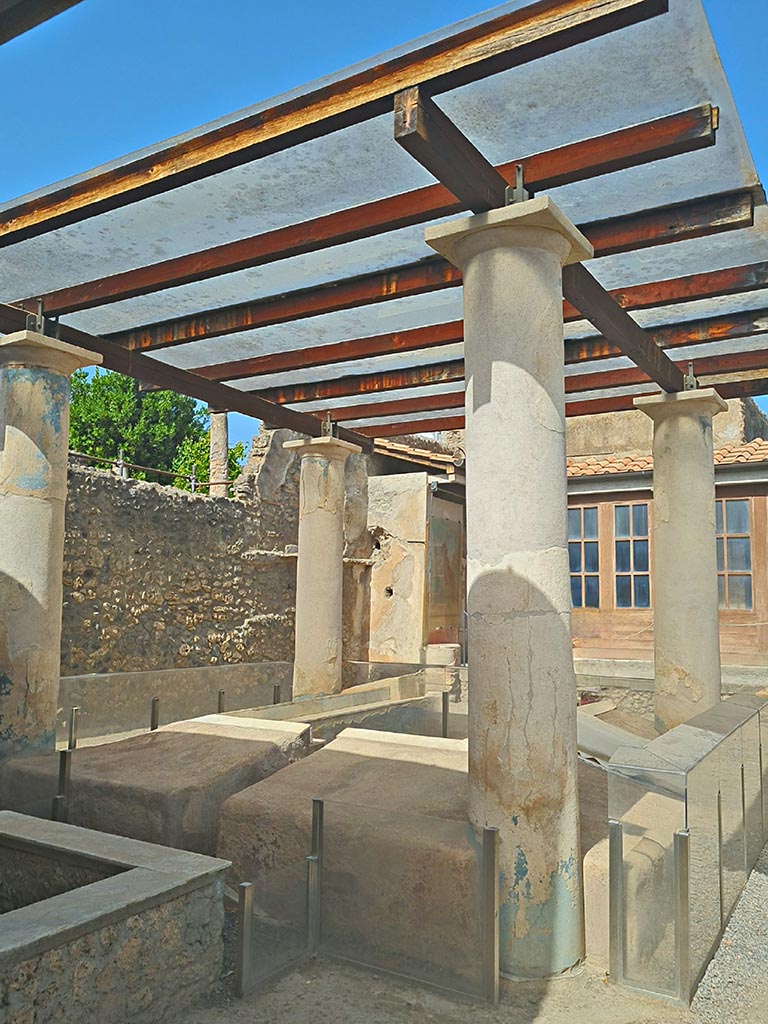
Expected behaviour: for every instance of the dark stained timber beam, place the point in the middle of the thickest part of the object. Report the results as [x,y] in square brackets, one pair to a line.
[366,383]
[150,371]
[641,296]
[428,135]
[475,51]
[667,136]
[692,219]
[19,16]
[587,295]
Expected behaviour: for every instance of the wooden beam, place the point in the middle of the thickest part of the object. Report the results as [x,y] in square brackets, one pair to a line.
[403,406]
[149,370]
[414,426]
[678,133]
[587,295]
[692,219]
[667,336]
[474,51]
[19,16]
[642,296]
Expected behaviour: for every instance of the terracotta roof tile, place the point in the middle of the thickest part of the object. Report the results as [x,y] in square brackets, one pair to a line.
[604,465]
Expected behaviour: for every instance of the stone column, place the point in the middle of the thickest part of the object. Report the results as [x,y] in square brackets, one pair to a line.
[317,659]
[522,689]
[686,633]
[219,460]
[34,440]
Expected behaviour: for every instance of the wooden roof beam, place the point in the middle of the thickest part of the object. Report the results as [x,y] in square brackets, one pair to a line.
[19,16]
[641,296]
[150,371]
[692,219]
[425,132]
[662,137]
[475,51]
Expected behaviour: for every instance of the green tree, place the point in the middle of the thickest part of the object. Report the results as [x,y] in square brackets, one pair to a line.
[108,412]
[195,451]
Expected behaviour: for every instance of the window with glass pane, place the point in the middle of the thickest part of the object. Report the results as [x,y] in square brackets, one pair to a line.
[632,557]
[734,553]
[584,557]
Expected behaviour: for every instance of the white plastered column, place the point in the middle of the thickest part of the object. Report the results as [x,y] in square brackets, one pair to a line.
[320,569]
[686,636]
[34,435]
[522,689]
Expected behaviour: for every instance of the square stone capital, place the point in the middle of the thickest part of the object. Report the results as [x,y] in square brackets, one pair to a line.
[535,223]
[324,447]
[700,402]
[28,349]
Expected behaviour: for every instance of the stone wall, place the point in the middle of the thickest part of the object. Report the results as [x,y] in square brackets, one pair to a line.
[145,968]
[160,578]
[27,877]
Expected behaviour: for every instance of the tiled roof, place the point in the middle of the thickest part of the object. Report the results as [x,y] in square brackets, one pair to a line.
[604,465]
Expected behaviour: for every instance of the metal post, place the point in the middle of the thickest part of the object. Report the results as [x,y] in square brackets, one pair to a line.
[154,718]
[747,865]
[276,693]
[72,739]
[244,936]
[60,803]
[315,879]
[616,901]
[121,469]
[762,780]
[682,917]
[221,701]
[445,713]
[193,480]
[490,914]
[720,855]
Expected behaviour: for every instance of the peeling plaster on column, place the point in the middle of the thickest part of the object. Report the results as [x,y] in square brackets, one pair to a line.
[34,418]
[522,688]
[684,558]
[319,573]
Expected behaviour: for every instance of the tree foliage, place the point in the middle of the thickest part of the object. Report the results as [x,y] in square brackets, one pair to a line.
[196,451]
[108,412]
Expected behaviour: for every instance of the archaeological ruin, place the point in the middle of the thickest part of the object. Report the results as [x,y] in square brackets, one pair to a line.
[464,680]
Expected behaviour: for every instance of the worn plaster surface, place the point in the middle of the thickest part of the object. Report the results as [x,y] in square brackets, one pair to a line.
[684,572]
[522,712]
[34,436]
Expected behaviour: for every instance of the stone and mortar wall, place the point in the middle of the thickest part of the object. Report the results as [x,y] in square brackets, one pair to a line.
[27,877]
[144,969]
[160,578]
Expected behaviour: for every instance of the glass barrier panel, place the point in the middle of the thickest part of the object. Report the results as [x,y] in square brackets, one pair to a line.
[402,893]
[753,790]
[703,865]
[279,922]
[651,807]
[732,818]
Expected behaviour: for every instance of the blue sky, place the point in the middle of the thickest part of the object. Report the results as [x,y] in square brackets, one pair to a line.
[111,76]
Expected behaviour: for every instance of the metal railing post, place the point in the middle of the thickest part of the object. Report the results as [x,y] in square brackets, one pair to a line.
[72,737]
[276,693]
[682,917]
[315,879]
[220,705]
[244,937]
[445,715]
[60,803]
[616,901]
[193,480]
[154,717]
[490,913]
[720,856]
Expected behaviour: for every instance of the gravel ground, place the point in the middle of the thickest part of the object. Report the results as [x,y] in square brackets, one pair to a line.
[735,987]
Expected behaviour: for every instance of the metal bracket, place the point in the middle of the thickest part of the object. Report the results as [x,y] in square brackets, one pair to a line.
[36,321]
[517,193]
[690,383]
[329,427]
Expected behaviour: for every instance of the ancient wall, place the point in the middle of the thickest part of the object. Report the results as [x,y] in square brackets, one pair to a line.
[158,578]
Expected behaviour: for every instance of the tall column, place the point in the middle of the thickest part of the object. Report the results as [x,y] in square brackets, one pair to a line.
[686,633]
[317,659]
[34,434]
[219,461]
[522,689]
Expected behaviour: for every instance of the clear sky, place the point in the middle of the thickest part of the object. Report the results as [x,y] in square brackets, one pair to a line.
[111,76]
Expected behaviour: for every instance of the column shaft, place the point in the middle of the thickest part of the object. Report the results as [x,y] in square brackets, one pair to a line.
[34,433]
[522,690]
[219,454]
[686,635]
[319,573]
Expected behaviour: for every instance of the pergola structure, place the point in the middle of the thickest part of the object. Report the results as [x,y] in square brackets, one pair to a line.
[282,263]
